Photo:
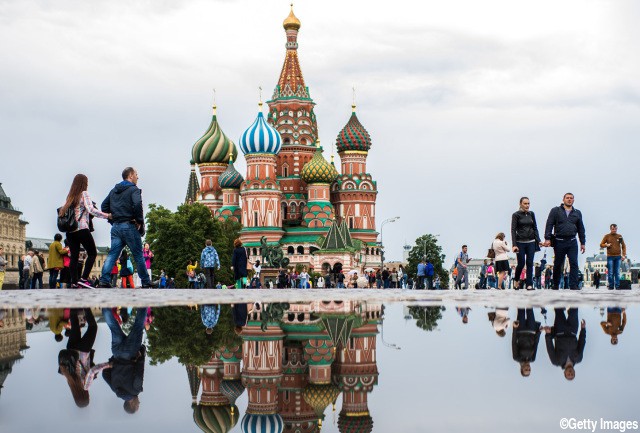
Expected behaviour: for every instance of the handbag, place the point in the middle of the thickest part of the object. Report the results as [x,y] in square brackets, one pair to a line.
[68,222]
[491,253]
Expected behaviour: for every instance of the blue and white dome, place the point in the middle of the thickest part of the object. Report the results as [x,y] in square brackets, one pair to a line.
[260,137]
[254,423]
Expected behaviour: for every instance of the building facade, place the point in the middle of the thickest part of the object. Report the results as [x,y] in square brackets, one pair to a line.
[12,237]
[291,195]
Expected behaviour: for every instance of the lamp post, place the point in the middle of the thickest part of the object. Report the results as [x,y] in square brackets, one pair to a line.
[388,220]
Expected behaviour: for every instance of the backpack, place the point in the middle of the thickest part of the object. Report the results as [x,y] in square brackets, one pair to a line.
[68,222]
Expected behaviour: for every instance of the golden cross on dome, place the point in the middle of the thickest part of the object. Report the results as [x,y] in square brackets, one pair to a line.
[260,96]
[214,101]
[353,104]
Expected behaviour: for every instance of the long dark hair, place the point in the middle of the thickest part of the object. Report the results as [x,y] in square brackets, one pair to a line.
[78,186]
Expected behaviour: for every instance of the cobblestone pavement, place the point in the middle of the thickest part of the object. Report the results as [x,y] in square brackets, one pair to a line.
[69,298]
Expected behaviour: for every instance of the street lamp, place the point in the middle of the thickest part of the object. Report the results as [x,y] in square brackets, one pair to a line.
[388,220]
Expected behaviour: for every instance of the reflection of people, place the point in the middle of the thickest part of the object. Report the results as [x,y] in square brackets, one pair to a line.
[616,321]
[125,370]
[464,313]
[500,321]
[524,341]
[568,350]
[76,361]
[210,315]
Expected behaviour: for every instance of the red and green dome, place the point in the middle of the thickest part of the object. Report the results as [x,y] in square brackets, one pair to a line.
[318,170]
[354,424]
[214,146]
[353,136]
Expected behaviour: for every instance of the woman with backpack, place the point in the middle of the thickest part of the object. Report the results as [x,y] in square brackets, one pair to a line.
[79,200]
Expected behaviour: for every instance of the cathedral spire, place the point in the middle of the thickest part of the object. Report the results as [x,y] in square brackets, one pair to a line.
[291,82]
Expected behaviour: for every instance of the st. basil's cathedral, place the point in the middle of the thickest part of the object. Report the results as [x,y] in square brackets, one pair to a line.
[291,194]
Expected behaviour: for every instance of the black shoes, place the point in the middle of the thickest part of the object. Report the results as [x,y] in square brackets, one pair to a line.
[102,285]
[151,285]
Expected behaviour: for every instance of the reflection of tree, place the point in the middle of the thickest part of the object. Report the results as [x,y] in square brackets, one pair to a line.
[179,332]
[426,317]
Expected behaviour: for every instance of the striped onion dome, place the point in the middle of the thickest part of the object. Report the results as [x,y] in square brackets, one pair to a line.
[232,389]
[215,419]
[262,423]
[260,137]
[318,170]
[353,136]
[230,178]
[214,145]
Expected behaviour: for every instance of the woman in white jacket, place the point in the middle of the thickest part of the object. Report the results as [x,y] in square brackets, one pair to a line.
[501,248]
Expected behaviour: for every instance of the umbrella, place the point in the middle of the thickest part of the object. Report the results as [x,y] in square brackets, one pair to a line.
[369,270]
[352,271]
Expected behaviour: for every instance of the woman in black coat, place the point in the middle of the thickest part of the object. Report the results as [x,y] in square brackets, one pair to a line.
[525,241]
[239,264]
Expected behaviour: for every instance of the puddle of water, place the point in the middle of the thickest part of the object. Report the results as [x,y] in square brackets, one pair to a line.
[395,367]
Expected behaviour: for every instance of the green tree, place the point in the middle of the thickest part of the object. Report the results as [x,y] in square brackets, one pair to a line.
[179,332]
[426,317]
[427,246]
[177,237]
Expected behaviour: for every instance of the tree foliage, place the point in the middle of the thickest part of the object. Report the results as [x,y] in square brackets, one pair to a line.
[177,237]
[179,332]
[427,246]
[426,317]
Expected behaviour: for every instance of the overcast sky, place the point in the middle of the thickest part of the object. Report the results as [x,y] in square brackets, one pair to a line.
[470,104]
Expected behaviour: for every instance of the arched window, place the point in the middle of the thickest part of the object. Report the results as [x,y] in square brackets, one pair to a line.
[255,252]
[284,211]
[293,208]
[300,249]
[290,250]
[285,171]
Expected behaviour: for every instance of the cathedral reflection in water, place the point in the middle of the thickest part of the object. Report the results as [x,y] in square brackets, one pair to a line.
[292,371]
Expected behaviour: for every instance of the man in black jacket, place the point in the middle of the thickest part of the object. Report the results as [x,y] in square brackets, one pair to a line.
[563,224]
[125,371]
[124,203]
[568,349]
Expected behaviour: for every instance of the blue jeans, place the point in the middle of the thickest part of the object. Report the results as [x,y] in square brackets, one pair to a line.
[526,251]
[569,249]
[53,278]
[125,234]
[613,268]
[125,346]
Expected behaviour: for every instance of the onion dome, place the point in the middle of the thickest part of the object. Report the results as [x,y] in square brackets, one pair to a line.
[354,424]
[319,397]
[230,178]
[353,136]
[291,22]
[318,170]
[232,389]
[262,423]
[213,146]
[215,419]
[260,137]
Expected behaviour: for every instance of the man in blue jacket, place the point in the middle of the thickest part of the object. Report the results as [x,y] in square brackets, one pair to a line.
[563,224]
[209,261]
[124,203]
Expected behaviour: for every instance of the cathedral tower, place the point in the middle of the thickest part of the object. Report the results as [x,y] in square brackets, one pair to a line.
[291,113]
